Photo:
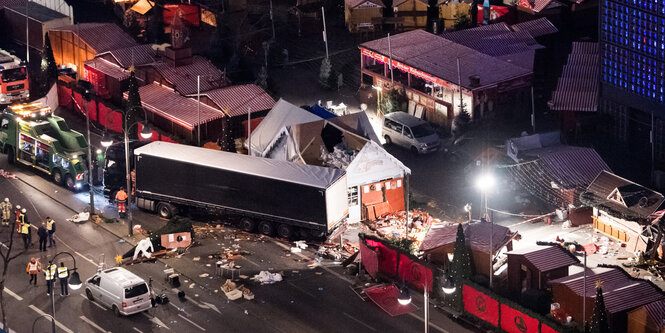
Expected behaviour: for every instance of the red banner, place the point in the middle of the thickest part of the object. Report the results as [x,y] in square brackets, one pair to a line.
[414,273]
[114,121]
[481,305]
[546,329]
[370,259]
[495,12]
[514,321]
[190,13]
[78,102]
[64,96]
[92,110]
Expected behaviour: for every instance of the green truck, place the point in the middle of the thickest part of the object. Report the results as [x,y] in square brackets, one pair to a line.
[30,134]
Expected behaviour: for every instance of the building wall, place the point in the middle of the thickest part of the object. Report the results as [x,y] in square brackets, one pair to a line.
[355,16]
[14,24]
[448,11]
[414,13]
[69,50]
[639,322]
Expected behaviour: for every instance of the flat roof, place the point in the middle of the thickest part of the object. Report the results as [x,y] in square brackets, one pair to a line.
[36,12]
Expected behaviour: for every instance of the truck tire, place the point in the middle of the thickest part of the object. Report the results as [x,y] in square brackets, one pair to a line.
[88,293]
[10,155]
[388,140]
[285,231]
[266,228]
[116,311]
[70,183]
[247,224]
[57,177]
[316,234]
[166,210]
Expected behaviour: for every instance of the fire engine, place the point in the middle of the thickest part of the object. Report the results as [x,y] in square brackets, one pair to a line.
[14,85]
[31,135]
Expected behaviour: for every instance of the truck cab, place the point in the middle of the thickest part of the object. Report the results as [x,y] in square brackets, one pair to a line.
[31,135]
[114,167]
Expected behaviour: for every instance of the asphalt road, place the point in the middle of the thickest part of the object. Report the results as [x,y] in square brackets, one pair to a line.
[308,300]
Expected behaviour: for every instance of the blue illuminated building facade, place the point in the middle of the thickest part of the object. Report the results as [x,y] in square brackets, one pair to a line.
[632,47]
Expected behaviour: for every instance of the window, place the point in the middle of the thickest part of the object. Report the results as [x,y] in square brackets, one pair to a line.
[136,290]
[14,74]
[393,126]
[352,193]
[407,133]
[95,280]
[422,130]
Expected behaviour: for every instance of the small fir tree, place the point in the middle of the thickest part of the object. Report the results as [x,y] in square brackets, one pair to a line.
[461,122]
[327,74]
[462,20]
[226,141]
[394,100]
[599,323]
[460,268]
[134,106]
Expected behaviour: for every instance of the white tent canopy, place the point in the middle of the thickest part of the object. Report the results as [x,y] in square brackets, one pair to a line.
[282,114]
[374,164]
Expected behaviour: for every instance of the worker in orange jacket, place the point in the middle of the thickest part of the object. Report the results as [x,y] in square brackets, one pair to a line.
[121,199]
[34,267]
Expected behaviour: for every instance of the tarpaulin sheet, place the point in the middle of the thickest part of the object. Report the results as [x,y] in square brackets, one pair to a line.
[481,305]
[92,110]
[385,296]
[370,259]
[414,273]
[546,329]
[190,13]
[514,321]
[65,96]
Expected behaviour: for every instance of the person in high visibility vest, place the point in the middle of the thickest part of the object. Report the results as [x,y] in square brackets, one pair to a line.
[17,214]
[34,267]
[6,210]
[49,273]
[50,227]
[121,199]
[25,228]
[63,275]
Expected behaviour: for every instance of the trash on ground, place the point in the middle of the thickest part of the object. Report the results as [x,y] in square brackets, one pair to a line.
[80,217]
[265,277]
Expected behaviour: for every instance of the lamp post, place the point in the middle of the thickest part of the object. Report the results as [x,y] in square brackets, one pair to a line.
[74,283]
[485,183]
[467,209]
[42,316]
[146,133]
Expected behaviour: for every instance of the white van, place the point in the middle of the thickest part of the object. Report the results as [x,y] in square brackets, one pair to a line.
[119,289]
[410,132]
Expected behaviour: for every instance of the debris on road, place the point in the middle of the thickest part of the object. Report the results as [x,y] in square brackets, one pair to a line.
[80,217]
[7,174]
[265,277]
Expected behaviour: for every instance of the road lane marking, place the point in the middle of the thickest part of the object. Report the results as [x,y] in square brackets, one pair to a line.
[42,313]
[251,262]
[179,309]
[300,289]
[136,329]
[12,294]
[191,322]
[155,321]
[430,322]
[93,302]
[95,326]
[86,258]
[212,307]
[359,321]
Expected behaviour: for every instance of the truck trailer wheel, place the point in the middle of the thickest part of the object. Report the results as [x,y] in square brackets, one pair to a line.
[166,210]
[247,224]
[69,183]
[285,231]
[266,228]
[57,177]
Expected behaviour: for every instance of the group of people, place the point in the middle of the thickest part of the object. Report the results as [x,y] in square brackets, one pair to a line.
[50,274]
[45,231]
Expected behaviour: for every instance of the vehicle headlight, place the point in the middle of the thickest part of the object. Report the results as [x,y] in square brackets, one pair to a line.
[423,145]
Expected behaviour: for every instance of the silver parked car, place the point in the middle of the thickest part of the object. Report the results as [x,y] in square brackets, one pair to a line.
[410,132]
[119,289]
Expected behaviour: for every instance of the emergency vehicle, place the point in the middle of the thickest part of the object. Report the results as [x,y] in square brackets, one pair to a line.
[31,135]
[14,85]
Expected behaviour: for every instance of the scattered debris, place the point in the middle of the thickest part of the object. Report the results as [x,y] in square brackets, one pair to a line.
[265,277]
[7,174]
[80,217]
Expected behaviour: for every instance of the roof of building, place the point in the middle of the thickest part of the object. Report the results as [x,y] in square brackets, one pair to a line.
[169,104]
[577,88]
[621,291]
[101,37]
[477,236]
[133,56]
[356,3]
[534,5]
[633,199]
[656,312]
[546,258]
[36,11]
[184,78]
[235,100]
[401,2]
[536,28]
[432,54]
[569,166]
[108,68]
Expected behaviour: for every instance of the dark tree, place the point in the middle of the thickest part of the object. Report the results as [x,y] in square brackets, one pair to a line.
[156,24]
[134,107]
[394,100]
[599,323]
[217,49]
[51,67]
[226,142]
[460,268]
[461,122]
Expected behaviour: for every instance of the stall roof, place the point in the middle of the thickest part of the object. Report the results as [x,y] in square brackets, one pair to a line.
[356,3]
[357,123]
[373,164]
[36,12]
[235,100]
[101,37]
[184,78]
[282,114]
[143,6]
[167,103]
[536,28]
[133,56]
[631,194]
[436,56]
[477,236]
[108,68]
[546,258]
[577,88]
[309,175]
[621,291]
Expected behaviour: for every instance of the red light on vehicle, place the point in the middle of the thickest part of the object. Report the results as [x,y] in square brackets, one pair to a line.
[79,176]
[124,305]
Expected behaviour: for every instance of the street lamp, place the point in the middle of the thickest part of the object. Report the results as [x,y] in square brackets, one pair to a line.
[485,183]
[404,297]
[107,141]
[447,286]
[42,316]
[467,209]
[74,282]
[379,90]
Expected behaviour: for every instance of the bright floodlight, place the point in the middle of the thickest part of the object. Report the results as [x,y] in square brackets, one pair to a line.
[107,141]
[448,286]
[377,88]
[451,255]
[485,182]
[75,281]
[404,297]
[146,132]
